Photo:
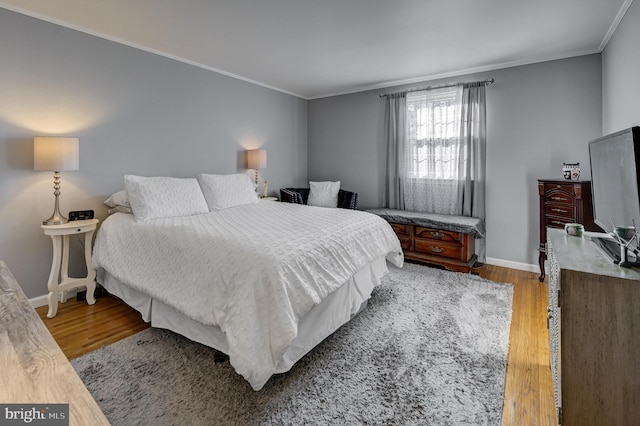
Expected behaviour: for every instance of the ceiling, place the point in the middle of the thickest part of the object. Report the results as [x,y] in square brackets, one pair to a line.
[318,48]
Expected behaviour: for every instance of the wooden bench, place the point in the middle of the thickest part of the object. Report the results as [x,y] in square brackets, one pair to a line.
[444,240]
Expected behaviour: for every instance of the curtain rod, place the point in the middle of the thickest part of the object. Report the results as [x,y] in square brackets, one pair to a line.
[440,86]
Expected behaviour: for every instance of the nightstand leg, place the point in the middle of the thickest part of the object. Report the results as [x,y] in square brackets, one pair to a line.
[91,273]
[64,268]
[52,300]
[52,285]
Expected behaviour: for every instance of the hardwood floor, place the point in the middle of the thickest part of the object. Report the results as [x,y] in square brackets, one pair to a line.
[80,328]
[528,396]
[528,400]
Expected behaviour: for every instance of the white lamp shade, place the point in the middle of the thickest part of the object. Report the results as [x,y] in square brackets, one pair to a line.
[256,159]
[55,154]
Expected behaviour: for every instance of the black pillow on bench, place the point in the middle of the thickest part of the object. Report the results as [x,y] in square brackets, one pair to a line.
[346,199]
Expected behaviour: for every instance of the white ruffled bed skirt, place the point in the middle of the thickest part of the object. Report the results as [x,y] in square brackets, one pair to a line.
[320,322]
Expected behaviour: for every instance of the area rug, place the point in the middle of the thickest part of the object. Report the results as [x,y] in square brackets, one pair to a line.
[430,348]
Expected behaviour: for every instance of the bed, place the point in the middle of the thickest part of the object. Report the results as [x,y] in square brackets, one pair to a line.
[263,282]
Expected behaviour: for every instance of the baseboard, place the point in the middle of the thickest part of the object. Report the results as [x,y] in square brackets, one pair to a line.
[39,301]
[513,265]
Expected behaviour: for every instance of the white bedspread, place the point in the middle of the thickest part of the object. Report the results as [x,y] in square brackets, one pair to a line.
[252,270]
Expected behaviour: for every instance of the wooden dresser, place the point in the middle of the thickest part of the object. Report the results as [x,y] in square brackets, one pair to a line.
[594,334]
[452,250]
[561,202]
[33,369]
[443,240]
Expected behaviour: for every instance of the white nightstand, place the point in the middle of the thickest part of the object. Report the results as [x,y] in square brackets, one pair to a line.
[59,280]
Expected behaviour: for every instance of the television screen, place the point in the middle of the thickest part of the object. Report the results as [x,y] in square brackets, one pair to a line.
[614,179]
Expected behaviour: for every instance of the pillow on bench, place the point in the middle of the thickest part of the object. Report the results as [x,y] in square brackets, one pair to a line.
[346,199]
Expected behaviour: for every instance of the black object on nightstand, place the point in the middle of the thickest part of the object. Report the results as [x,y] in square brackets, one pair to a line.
[81,215]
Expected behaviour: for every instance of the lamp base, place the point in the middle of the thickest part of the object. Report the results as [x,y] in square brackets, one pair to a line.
[55,220]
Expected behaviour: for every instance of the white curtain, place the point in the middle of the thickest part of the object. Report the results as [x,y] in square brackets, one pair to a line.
[432,151]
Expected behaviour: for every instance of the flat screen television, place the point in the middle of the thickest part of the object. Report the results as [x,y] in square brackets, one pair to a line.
[615,173]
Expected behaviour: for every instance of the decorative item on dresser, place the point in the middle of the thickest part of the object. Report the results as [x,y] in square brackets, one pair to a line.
[594,344]
[563,202]
[33,369]
[444,240]
[571,171]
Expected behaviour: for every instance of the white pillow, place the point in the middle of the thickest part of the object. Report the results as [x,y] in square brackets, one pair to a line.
[119,209]
[159,197]
[118,199]
[224,191]
[323,194]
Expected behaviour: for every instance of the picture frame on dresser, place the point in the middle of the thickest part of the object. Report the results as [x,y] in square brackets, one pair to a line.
[563,201]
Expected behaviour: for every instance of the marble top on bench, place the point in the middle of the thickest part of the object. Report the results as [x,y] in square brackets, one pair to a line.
[467,225]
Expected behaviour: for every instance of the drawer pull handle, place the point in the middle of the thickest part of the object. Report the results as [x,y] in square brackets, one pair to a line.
[549,320]
[559,198]
[436,234]
[555,222]
[436,249]
[559,211]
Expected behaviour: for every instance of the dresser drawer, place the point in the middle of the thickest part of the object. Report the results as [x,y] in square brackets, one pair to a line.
[438,248]
[571,187]
[438,235]
[453,250]
[399,228]
[554,222]
[559,196]
[561,210]
[405,241]
[403,233]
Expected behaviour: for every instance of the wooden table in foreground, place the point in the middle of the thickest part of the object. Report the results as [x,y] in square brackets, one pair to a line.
[33,369]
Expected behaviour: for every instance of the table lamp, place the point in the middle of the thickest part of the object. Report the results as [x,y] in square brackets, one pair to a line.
[55,154]
[256,159]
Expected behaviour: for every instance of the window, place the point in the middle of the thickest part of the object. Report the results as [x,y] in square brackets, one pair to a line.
[433,134]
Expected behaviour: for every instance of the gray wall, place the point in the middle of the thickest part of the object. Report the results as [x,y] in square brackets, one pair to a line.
[134,112]
[139,113]
[538,116]
[620,71]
